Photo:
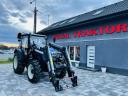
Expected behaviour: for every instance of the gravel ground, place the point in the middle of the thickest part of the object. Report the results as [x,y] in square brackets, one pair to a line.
[90,84]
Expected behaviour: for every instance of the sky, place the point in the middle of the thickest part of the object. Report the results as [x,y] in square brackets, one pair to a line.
[17,15]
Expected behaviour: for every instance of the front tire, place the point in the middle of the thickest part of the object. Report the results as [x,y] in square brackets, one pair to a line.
[18,66]
[33,71]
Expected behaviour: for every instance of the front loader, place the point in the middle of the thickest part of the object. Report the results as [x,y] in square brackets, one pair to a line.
[38,55]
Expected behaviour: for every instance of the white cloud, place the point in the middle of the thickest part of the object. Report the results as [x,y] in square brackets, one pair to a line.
[26,26]
[16,21]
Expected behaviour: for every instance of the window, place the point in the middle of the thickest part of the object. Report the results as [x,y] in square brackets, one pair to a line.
[71,53]
[71,20]
[25,42]
[54,25]
[77,53]
[38,41]
[74,52]
[98,12]
[63,22]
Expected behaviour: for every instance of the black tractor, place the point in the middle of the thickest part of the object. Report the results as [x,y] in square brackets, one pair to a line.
[38,56]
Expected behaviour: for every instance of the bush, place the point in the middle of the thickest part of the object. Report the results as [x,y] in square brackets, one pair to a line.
[10,59]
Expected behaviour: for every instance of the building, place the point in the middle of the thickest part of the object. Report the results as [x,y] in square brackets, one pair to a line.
[95,39]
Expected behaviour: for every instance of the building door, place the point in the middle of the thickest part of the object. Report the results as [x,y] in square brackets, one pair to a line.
[91,56]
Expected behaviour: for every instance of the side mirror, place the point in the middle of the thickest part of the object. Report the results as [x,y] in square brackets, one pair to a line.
[19,36]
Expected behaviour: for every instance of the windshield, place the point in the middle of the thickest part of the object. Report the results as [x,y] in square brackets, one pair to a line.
[38,41]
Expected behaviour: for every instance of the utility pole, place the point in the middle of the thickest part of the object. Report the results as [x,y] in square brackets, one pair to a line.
[35,16]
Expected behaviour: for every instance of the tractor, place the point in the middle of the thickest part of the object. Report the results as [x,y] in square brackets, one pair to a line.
[38,55]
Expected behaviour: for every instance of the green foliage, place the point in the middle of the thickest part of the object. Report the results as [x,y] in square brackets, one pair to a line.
[8,61]
[3,47]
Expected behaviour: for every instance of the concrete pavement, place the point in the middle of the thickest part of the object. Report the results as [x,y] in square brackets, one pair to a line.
[90,84]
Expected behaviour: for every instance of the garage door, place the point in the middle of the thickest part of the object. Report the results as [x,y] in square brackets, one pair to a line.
[91,56]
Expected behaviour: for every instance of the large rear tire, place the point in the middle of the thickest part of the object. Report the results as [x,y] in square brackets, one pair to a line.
[18,65]
[33,71]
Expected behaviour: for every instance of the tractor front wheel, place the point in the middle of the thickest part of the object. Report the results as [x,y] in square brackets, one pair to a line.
[33,71]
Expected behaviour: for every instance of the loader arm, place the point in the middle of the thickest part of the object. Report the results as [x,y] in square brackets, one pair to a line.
[58,73]
[64,52]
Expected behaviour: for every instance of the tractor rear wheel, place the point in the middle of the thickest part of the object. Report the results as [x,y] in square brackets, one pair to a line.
[18,65]
[33,71]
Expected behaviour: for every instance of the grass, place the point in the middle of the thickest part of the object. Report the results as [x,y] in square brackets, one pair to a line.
[6,61]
